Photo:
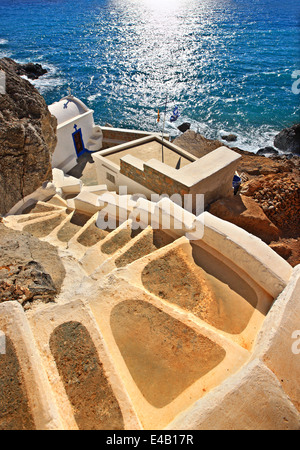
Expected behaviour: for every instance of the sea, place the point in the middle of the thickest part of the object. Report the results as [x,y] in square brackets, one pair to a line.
[230,66]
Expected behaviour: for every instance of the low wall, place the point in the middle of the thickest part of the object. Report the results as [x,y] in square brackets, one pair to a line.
[248,252]
[116,136]
[210,175]
[152,178]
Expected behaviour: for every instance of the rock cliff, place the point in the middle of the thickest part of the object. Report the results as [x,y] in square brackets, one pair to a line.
[288,140]
[27,138]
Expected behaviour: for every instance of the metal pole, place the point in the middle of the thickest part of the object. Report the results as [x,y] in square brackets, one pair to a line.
[163,131]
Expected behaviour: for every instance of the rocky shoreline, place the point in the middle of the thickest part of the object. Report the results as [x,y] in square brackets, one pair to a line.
[31,70]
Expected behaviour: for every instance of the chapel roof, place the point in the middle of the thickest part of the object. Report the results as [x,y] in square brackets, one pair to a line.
[68,108]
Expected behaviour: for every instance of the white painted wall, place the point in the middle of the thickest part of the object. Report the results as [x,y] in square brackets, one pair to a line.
[104,167]
[64,156]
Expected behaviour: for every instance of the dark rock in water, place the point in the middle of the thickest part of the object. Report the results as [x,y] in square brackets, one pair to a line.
[184,127]
[267,151]
[31,70]
[27,136]
[229,137]
[288,140]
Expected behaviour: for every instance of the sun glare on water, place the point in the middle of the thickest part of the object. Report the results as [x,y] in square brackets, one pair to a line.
[160,5]
[157,4]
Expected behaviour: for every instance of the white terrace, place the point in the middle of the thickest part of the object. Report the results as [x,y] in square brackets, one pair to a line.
[152,165]
[154,327]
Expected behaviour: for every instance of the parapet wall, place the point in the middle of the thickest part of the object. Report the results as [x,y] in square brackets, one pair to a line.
[152,178]
[248,252]
[211,175]
[116,136]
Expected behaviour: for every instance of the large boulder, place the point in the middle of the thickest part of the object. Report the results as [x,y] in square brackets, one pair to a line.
[31,271]
[267,151]
[288,140]
[289,249]
[247,214]
[278,196]
[27,138]
[30,70]
[196,144]
[230,137]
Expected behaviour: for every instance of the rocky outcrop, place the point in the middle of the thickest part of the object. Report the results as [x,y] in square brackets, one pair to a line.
[267,151]
[288,249]
[288,140]
[254,165]
[247,214]
[31,70]
[279,197]
[196,144]
[229,137]
[30,270]
[27,138]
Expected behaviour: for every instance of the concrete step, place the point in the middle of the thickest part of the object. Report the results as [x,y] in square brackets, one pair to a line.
[113,242]
[89,235]
[144,243]
[39,224]
[27,401]
[234,307]
[167,359]
[88,391]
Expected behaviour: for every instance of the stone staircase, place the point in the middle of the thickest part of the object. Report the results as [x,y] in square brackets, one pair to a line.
[147,324]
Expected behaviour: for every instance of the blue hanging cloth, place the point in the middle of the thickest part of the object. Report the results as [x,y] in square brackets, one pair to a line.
[236,181]
[175,114]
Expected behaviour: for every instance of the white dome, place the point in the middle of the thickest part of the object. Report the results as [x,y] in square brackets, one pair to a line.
[67,108]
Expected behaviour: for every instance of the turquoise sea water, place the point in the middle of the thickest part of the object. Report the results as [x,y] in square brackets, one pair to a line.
[227,64]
